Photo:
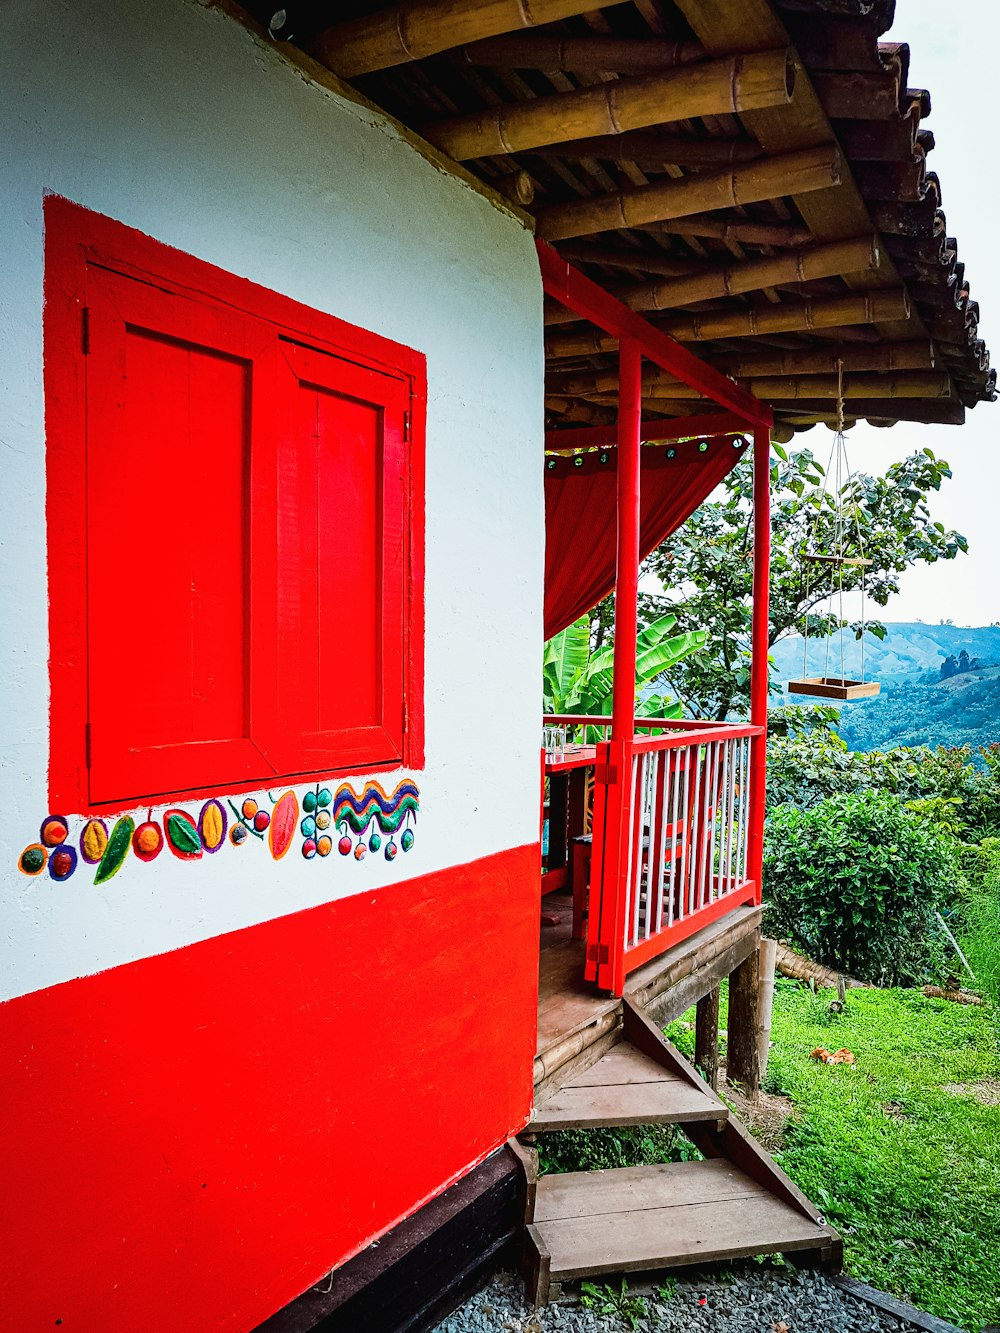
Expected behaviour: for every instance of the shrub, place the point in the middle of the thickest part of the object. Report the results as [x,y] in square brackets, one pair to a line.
[805,767]
[980,914]
[855,881]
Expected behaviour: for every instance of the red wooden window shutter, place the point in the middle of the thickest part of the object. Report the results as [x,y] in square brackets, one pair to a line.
[234,503]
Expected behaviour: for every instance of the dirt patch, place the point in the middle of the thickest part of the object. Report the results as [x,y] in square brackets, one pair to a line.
[986,1091]
[895,1111]
[766,1118]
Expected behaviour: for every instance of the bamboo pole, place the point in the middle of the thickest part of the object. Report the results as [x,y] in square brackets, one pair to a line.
[639,260]
[915,355]
[582,54]
[771,177]
[929,384]
[945,412]
[516,186]
[835,259]
[794,316]
[789,317]
[421,28]
[576,409]
[716,87]
[645,148]
[735,229]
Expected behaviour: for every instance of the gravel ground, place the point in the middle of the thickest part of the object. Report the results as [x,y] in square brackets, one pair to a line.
[750,1298]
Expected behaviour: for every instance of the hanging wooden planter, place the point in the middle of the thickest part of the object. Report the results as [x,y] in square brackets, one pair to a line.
[834,687]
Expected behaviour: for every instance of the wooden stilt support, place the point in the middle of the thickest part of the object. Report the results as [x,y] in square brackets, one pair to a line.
[716,87]
[789,173]
[743,1061]
[768,956]
[706,1037]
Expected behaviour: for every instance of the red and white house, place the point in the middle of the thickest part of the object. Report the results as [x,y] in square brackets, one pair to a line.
[274,594]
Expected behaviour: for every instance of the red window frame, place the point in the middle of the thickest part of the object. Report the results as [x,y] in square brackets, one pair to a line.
[76,240]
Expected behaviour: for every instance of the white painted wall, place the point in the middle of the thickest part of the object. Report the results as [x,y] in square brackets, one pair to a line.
[173,119]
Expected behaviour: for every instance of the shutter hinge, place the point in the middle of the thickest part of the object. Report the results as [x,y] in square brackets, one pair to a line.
[407,425]
[85,328]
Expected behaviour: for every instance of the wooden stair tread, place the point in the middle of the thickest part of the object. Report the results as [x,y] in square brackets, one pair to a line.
[625,1087]
[648,1217]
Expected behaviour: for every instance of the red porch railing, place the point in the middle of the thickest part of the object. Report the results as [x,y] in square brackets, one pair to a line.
[671,833]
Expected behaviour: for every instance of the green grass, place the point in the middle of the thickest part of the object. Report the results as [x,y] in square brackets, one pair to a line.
[907,1172]
[601,1149]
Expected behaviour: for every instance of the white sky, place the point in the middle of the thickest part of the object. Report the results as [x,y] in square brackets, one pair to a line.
[952,49]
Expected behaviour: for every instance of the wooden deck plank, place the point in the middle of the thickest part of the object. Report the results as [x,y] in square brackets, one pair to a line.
[664,1217]
[565,1002]
[626,1087]
[667,1102]
[572,1194]
[624,1064]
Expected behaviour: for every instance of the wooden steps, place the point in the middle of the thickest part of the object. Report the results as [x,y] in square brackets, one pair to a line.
[592,1223]
[735,1203]
[626,1087]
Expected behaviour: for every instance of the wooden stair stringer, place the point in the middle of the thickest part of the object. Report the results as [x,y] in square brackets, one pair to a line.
[729,1140]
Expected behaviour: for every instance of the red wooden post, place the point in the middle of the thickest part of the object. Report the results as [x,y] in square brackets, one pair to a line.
[627,577]
[614,896]
[759,647]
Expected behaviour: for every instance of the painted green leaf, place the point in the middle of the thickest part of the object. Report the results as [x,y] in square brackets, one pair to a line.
[183,835]
[116,850]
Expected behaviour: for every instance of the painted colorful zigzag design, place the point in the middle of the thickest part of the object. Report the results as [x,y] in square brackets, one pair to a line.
[373,803]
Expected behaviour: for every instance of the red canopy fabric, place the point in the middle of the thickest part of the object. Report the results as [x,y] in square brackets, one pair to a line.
[580,515]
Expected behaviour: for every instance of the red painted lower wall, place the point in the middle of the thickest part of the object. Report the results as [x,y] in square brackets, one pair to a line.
[190,1141]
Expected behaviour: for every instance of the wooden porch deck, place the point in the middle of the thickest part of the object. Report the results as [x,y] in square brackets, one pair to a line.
[576,1025]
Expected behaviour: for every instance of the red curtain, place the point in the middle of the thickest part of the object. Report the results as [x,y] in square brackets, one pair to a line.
[580,515]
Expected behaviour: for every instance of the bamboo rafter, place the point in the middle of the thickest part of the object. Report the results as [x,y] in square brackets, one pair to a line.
[584,54]
[816,261]
[422,28]
[647,149]
[713,88]
[789,316]
[817,361]
[769,178]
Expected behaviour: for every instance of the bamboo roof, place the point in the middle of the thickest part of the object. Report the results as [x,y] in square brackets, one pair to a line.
[750,174]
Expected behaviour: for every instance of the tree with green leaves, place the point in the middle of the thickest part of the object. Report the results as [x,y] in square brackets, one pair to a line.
[706,567]
[579,679]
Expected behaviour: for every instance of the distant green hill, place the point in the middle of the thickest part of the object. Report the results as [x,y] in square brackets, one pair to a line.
[907,647]
[915,706]
[964,710]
